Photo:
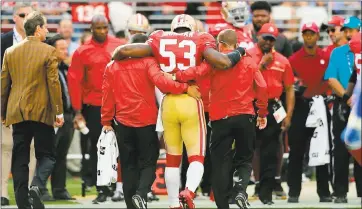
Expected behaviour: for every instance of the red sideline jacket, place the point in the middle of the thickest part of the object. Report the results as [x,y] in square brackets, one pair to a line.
[86,71]
[278,74]
[129,91]
[233,90]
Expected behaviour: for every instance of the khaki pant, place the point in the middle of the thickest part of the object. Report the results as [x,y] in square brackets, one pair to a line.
[6,154]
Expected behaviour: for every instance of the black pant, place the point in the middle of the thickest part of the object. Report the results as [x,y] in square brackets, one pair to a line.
[224,131]
[268,143]
[62,142]
[299,139]
[206,178]
[139,151]
[341,155]
[92,116]
[23,133]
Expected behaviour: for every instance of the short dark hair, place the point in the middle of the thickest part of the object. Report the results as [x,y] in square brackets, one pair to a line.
[53,40]
[260,5]
[139,38]
[32,21]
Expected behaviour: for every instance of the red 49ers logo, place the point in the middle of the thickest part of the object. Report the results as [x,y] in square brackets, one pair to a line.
[84,12]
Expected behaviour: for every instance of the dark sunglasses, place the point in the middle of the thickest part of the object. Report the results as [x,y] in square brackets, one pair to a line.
[223,42]
[22,15]
[268,38]
[331,30]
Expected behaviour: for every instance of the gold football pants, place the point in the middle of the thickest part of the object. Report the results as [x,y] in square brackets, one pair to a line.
[184,122]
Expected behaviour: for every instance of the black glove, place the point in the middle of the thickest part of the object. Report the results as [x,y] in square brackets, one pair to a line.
[345,98]
[241,50]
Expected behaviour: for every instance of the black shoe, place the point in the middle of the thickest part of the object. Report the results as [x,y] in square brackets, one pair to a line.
[293,199]
[101,197]
[326,199]
[46,197]
[138,201]
[340,200]
[242,200]
[278,190]
[63,195]
[267,202]
[4,201]
[152,197]
[35,200]
[118,196]
[231,201]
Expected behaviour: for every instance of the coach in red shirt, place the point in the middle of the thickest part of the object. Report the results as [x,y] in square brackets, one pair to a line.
[278,75]
[85,90]
[232,117]
[309,65]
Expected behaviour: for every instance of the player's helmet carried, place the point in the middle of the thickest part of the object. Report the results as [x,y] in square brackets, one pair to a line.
[137,23]
[183,21]
[235,12]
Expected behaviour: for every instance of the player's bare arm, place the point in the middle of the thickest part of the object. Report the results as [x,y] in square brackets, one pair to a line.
[136,50]
[217,59]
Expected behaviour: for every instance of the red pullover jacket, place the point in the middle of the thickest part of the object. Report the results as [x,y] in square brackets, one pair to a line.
[129,91]
[232,91]
[86,71]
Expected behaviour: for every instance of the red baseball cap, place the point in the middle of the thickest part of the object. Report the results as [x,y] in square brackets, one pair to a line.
[310,26]
[336,21]
[269,30]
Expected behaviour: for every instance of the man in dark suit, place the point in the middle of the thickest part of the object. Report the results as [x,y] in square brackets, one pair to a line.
[31,101]
[63,135]
[17,34]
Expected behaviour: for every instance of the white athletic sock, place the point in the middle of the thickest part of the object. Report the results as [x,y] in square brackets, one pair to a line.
[277,177]
[119,187]
[172,179]
[194,175]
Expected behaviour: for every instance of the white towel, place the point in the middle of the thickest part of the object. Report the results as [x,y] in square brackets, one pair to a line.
[319,144]
[107,151]
[159,97]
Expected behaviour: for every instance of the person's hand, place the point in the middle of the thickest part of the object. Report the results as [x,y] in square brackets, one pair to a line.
[59,121]
[107,128]
[168,75]
[261,122]
[286,123]
[78,119]
[349,102]
[3,120]
[267,59]
[193,91]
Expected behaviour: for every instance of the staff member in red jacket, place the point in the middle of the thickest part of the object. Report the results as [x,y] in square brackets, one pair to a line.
[232,117]
[85,88]
[278,74]
[309,65]
[129,97]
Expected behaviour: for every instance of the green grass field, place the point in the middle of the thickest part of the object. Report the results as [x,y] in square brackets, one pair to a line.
[74,186]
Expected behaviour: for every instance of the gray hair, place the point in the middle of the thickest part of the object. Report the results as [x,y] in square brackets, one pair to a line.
[19,5]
